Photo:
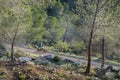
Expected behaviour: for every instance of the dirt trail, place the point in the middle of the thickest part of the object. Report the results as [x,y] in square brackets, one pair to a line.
[76,60]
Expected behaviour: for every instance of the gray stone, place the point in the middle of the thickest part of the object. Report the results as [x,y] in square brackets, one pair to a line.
[31,63]
[68,61]
[110,75]
[24,59]
[48,57]
[41,61]
[95,78]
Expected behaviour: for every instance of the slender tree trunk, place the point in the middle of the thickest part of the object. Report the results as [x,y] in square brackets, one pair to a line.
[90,40]
[103,49]
[13,43]
[12,51]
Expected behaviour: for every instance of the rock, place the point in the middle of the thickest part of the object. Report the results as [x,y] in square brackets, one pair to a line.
[31,63]
[13,68]
[69,72]
[116,69]
[95,78]
[68,61]
[48,57]
[78,64]
[32,59]
[109,68]
[110,75]
[41,61]
[24,59]
[100,72]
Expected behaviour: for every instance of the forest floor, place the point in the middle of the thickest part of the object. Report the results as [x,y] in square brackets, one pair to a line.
[27,71]
[47,69]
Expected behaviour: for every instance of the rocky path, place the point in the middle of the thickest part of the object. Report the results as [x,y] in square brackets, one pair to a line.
[76,60]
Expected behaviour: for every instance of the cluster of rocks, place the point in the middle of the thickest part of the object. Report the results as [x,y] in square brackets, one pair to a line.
[109,73]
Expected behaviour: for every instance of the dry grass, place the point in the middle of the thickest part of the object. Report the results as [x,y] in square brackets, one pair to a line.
[38,70]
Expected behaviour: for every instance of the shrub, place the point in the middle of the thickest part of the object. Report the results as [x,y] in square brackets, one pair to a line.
[62,46]
[77,47]
[18,53]
[56,59]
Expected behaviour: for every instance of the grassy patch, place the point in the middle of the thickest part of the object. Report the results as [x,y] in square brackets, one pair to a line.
[112,62]
[31,54]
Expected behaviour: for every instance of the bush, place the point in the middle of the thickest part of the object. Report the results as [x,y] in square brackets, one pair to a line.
[18,54]
[77,47]
[56,59]
[62,46]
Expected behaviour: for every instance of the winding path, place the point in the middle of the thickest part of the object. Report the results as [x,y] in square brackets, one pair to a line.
[76,60]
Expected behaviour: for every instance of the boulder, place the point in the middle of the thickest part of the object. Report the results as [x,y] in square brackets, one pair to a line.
[77,63]
[100,72]
[109,75]
[30,63]
[68,61]
[95,78]
[22,59]
[48,57]
[116,69]
[41,61]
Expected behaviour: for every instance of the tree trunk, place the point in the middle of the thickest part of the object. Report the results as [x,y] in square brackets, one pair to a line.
[90,40]
[12,51]
[103,49]
[13,43]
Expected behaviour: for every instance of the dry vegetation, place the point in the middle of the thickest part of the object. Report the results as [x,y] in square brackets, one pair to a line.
[26,71]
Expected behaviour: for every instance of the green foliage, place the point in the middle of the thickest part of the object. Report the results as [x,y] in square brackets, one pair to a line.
[62,46]
[47,20]
[36,31]
[18,54]
[77,47]
[56,59]
[55,10]
[53,30]
[90,78]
